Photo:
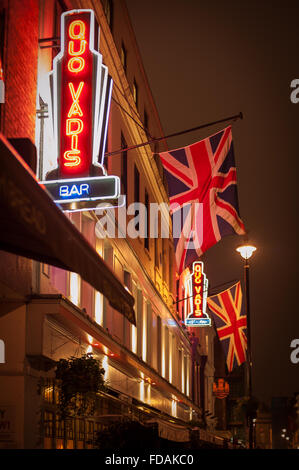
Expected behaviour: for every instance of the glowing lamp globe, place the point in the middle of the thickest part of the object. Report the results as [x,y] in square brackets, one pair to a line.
[246,251]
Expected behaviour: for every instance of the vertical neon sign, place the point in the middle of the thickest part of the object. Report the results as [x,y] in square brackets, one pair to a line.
[81,94]
[198,287]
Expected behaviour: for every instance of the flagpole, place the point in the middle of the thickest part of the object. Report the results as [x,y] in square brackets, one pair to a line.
[210,291]
[186,131]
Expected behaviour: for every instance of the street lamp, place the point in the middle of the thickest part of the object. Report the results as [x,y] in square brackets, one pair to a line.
[246,252]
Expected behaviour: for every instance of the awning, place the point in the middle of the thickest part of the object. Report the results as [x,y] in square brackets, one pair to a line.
[171,431]
[33,226]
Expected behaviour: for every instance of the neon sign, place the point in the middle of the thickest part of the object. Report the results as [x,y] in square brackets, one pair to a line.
[81,94]
[221,390]
[73,189]
[197,287]
[82,189]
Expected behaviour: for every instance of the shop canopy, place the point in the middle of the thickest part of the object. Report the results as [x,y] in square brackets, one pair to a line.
[31,225]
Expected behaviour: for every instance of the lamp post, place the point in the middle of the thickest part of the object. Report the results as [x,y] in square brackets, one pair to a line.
[246,252]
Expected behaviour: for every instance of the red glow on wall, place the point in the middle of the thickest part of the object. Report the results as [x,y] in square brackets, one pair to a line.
[75,156]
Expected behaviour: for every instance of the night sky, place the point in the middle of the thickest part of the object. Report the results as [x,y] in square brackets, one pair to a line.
[208,60]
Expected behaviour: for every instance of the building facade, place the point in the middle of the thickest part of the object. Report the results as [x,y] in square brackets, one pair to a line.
[153,371]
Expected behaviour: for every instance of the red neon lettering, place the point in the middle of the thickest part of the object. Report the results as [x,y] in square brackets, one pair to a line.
[77,24]
[76,64]
[75,109]
[73,157]
[197,268]
[69,126]
[81,48]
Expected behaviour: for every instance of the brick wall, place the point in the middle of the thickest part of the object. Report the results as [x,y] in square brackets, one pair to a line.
[18,111]
[20,68]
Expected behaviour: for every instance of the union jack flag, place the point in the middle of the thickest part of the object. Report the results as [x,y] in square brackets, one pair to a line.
[231,324]
[203,195]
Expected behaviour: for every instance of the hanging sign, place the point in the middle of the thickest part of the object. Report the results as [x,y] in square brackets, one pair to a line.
[81,94]
[220,390]
[197,286]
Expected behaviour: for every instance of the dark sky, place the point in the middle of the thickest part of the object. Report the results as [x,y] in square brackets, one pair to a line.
[208,60]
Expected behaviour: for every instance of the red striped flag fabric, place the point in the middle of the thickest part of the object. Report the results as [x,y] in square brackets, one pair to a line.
[231,324]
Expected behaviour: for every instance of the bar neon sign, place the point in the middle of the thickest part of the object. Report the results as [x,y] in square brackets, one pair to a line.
[81,94]
[197,286]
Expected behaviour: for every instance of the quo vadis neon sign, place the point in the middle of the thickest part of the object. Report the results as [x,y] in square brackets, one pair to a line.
[81,94]
[197,288]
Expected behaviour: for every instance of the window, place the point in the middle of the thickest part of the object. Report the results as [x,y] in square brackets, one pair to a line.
[126,325]
[149,332]
[166,353]
[139,322]
[98,307]
[171,341]
[187,383]
[90,430]
[159,340]
[48,391]
[104,306]
[128,280]
[136,189]
[48,424]
[135,92]
[170,271]
[46,269]
[123,56]
[75,288]
[145,122]
[59,8]
[108,10]
[80,429]
[164,258]
[136,184]
[147,227]
[156,253]
[157,243]
[124,168]
[59,427]
[180,370]
[145,337]
[70,429]
[134,328]
[178,294]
